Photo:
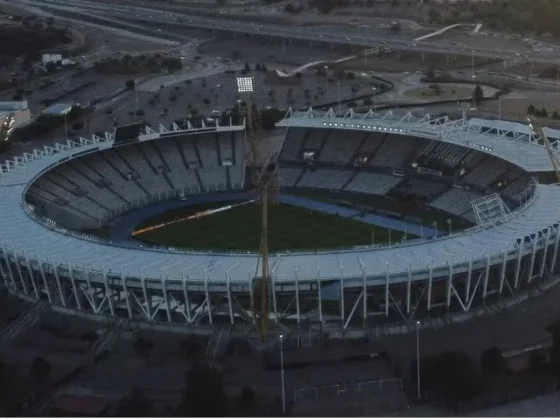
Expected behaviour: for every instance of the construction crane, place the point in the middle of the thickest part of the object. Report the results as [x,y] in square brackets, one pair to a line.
[264,181]
[538,131]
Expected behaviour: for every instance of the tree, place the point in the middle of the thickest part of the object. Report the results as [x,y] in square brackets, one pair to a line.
[492,362]
[130,84]
[436,88]
[135,404]
[204,394]
[143,347]
[257,67]
[50,66]
[537,361]
[478,94]
[555,350]
[10,392]
[555,115]
[247,68]
[531,110]
[40,368]
[543,113]
[451,374]
[78,125]
[430,73]
[247,398]
[395,27]
[434,15]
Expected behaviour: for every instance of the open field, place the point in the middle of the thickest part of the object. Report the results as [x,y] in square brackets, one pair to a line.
[290,227]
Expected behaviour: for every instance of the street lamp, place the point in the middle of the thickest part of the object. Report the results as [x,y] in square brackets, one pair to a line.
[435,225]
[219,87]
[338,89]
[327,80]
[418,393]
[374,97]
[449,223]
[282,374]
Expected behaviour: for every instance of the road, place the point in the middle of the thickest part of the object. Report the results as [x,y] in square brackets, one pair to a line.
[174,22]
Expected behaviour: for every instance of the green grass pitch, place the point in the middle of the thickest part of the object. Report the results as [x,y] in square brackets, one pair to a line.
[290,227]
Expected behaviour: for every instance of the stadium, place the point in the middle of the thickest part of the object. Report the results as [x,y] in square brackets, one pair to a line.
[493,186]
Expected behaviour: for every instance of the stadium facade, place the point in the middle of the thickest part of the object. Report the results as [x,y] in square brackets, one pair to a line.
[487,177]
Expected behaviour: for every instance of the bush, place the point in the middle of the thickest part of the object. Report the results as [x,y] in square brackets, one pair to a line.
[78,125]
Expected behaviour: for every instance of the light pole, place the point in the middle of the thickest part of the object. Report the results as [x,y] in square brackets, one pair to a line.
[449,223]
[219,87]
[499,108]
[338,89]
[435,225]
[418,393]
[327,80]
[282,374]
[374,96]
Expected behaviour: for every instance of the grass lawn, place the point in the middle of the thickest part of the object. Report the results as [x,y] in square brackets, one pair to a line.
[290,227]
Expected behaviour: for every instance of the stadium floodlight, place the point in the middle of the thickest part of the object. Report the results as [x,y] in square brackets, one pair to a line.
[244,84]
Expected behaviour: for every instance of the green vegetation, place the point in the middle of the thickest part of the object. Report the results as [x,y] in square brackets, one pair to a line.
[290,227]
[519,16]
[139,64]
[30,39]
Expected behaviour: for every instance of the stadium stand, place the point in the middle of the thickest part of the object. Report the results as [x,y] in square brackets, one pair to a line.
[331,179]
[288,176]
[292,144]
[421,188]
[394,151]
[92,187]
[341,146]
[456,201]
[483,176]
[373,183]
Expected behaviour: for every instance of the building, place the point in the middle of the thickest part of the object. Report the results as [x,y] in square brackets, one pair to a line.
[12,116]
[52,58]
[57,110]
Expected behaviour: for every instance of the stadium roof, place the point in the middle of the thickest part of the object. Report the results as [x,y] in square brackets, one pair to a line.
[520,148]
[58,109]
[514,127]
[29,238]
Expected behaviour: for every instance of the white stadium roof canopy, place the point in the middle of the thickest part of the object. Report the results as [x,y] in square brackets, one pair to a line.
[517,146]
[31,239]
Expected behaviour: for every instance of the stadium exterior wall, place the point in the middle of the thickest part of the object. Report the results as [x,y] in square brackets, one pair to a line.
[340,303]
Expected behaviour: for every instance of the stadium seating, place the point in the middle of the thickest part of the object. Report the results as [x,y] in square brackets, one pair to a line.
[456,201]
[421,188]
[94,186]
[483,176]
[287,177]
[331,179]
[373,183]
[341,146]
[394,151]
[292,144]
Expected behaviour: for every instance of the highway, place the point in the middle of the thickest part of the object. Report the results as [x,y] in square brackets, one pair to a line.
[172,22]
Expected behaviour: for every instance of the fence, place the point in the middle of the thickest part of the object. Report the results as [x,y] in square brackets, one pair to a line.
[339,390]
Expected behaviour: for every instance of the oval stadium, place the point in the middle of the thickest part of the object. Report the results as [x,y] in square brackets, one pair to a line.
[378,220]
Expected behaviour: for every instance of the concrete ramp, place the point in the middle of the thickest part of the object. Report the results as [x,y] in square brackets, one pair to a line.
[447,28]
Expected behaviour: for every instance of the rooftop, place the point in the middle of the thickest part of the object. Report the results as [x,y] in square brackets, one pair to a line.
[58,109]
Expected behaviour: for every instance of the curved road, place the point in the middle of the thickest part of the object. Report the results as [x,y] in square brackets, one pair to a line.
[349,36]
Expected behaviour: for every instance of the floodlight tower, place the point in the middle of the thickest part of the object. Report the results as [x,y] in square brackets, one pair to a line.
[264,181]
